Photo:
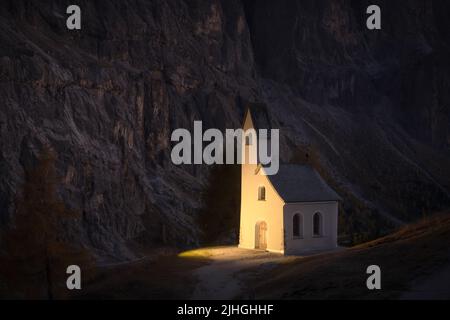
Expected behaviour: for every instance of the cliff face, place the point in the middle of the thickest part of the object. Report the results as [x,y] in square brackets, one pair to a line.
[375,104]
[107,98]
[324,51]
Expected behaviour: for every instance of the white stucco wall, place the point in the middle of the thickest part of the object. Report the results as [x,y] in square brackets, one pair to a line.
[254,211]
[328,238]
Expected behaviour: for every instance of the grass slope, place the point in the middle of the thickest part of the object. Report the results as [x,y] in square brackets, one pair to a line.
[412,253]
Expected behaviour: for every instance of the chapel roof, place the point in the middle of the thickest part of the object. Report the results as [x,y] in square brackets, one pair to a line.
[293,182]
[301,183]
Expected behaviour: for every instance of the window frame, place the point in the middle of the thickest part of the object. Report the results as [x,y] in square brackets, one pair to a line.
[248,139]
[299,226]
[320,234]
[262,193]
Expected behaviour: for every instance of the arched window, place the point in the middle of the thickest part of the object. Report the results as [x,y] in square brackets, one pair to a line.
[297,226]
[317,224]
[261,193]
[248,140]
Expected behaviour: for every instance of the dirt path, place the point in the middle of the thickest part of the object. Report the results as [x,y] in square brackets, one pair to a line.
[224,277]
[220,280]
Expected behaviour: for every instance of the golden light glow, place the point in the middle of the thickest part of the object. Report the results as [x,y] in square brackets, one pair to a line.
[229,253]
[200,253]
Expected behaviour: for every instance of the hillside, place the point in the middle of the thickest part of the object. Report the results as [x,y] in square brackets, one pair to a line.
[407,258]
[410,260]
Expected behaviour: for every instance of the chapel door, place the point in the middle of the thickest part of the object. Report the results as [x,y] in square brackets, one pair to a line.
[261,235]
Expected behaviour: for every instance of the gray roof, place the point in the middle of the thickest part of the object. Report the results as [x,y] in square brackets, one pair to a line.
[301,183]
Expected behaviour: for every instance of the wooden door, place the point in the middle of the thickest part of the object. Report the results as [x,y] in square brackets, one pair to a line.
[261,235]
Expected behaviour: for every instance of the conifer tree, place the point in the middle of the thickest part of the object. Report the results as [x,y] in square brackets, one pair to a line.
[35,251]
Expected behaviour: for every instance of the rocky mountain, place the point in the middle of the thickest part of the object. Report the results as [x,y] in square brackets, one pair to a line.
[369,108]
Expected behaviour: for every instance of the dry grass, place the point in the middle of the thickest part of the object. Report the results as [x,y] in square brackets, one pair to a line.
[414,251]
[162,277]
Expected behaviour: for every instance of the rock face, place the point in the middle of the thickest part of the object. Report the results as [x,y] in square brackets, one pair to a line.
[375,104]
[107,98]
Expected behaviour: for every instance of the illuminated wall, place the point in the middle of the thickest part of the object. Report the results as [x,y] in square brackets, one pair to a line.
[253,211]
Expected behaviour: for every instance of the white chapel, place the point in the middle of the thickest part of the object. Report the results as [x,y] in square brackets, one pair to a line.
[291,212]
